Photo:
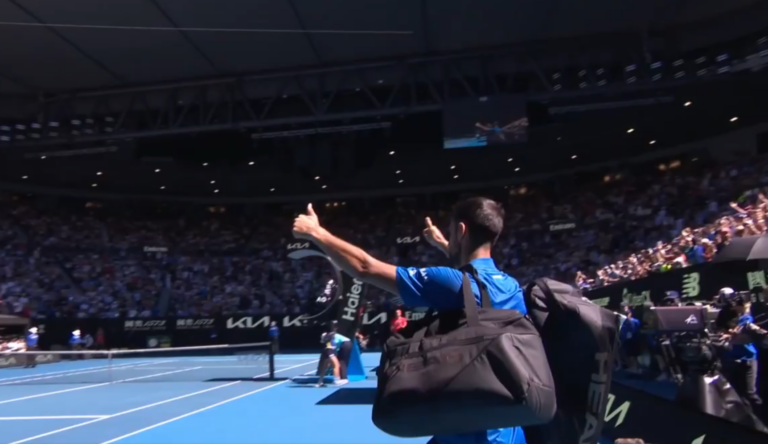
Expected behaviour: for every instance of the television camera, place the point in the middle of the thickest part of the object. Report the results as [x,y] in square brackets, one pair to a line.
[691,340]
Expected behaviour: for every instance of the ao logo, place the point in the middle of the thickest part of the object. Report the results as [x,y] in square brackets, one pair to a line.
[691,285]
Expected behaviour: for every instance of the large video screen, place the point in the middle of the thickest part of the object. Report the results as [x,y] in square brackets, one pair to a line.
[484,121]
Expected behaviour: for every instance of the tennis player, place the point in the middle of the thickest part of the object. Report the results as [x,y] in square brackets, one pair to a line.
[476,224]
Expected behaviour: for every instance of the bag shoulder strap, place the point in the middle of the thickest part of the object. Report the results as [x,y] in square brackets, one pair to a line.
[485,298]
[470,304]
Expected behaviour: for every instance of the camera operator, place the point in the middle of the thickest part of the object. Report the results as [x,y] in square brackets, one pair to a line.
[740,366]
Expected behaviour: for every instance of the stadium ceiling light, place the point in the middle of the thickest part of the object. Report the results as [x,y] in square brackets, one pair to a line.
[574,156]
[456,176]
[391,153]
[517,169]
[215,191]
[510,159]
[689,103]
[251,163]
[25,177]
[98,173]
[162,187]
[380,81]
[205,164]
[652,142]
[213,182]
[559,139]
[453,167]
[271,190]
[94,185]
[400,181]
[157,170]
[733,119]
[630,131]
[397,172]
[325,186]
[42,157]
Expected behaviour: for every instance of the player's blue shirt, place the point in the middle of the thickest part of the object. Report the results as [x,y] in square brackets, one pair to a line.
[32,340]
[74,340]
[440,288]
[274,332]
[744,352]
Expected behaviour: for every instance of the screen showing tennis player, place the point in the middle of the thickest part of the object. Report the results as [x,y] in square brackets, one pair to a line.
[485,121]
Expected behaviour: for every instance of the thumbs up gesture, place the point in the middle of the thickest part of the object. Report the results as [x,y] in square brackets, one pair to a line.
[434,236]
[306,225]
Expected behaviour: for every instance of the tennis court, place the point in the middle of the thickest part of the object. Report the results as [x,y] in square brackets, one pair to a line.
[155,399]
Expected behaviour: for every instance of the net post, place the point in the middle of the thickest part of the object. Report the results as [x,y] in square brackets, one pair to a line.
[109,363]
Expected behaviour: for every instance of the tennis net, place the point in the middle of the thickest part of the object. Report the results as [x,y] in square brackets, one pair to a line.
[214,363]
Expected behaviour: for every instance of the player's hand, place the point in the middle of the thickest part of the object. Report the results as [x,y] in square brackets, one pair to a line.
[306,226]
[434,236]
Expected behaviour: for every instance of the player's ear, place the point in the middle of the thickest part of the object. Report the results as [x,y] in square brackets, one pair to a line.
[461,230]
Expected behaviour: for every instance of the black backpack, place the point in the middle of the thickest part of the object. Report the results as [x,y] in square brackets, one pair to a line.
[581,340]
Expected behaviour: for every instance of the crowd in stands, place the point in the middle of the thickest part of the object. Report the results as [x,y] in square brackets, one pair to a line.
[62,261]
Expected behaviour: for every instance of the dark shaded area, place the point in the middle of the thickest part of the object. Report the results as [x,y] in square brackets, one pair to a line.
[350,396]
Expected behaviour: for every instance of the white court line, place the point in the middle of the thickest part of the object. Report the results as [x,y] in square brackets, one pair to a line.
[64,429]
[79,372]
[76,370]
[40,395]
[35,418]
[226,401]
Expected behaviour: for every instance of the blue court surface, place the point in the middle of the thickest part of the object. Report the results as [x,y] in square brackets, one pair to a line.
[42,405]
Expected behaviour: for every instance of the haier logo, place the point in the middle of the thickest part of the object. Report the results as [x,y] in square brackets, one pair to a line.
[248,322]
[692,320]
[408,240]
[350,310]
[298,246]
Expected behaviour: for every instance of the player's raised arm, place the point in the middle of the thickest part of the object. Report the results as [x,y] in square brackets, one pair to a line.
[351,259]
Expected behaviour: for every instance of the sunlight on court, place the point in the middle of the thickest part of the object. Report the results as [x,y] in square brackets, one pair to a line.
[196,399]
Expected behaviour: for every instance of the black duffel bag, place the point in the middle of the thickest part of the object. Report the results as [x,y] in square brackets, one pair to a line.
[484,370]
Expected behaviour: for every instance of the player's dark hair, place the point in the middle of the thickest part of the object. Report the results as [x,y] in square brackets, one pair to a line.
[483,217]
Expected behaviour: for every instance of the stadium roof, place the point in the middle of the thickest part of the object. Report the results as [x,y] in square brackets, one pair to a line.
[53,46]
